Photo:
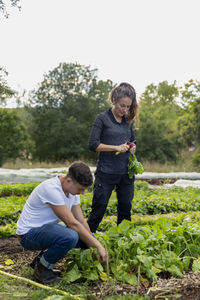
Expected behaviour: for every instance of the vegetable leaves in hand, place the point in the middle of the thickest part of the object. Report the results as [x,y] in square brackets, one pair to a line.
[134,166]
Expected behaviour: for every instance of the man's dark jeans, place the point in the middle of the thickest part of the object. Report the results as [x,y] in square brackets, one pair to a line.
[103,187]
[56,238]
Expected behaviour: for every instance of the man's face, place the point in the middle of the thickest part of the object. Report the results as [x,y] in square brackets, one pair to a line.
[73,187]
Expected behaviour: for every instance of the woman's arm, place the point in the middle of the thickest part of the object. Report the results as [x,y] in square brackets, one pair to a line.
[95,139]
[117,148]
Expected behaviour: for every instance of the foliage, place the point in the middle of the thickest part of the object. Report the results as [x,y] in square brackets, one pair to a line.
[10,209]
[143,247]
[165,246]
[14,138]
[150,202]
[17,189]
[3,6]
[189,124]
[8,230]
[157,137]
[5,91]
[64,106]
[196,158]
[161,201]
[134,166]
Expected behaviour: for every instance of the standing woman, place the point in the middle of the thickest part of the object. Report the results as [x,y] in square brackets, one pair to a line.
[110,132]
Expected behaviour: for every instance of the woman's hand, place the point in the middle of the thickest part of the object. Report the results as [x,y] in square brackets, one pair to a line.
[132,149]
[122,148]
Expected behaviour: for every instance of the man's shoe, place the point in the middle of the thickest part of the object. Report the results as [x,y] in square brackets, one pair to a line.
[33,263]
[44,275]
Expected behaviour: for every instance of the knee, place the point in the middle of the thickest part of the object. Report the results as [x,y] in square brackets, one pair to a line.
[69,239]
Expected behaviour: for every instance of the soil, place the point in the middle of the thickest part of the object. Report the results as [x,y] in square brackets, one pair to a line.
[165,288]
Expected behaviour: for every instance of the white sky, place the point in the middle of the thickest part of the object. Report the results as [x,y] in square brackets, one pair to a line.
[138,41]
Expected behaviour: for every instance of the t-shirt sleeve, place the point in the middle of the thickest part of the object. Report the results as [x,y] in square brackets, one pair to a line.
[76,200]
[52,195]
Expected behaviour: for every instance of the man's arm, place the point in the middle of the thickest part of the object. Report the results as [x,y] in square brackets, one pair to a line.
[63,213]
[77,213]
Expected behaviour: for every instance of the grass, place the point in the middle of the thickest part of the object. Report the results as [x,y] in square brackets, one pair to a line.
[185,166]
[25,164]
[12,289]
[166,168]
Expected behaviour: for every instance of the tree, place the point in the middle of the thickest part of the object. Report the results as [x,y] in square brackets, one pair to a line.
[14,138]
[5,91]
[189,122]
[3,6]
[157,136]
[63,110]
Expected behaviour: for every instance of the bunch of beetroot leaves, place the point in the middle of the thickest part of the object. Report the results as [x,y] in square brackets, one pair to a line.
[134,166]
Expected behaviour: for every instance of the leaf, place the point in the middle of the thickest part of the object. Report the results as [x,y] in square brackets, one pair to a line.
[54,297]
[196,265]
[73,274]
[134,166]
[9,262]
[176,295]
[175,270]
[103,276]
[156,270]
[91,275]
[129,278]
[17,294]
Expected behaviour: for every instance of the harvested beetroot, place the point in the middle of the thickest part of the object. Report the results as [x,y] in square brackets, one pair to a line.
[130,144]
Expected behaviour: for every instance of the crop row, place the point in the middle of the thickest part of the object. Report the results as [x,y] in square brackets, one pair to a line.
[149,202]
[145,202]
[27,188]
[143,251]
[17,189]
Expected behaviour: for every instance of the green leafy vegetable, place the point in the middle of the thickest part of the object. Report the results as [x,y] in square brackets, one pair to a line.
[134,166]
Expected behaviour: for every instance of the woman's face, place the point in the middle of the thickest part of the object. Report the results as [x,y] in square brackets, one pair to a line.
[122,106]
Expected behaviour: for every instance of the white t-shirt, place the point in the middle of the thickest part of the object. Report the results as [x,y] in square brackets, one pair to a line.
[37,212]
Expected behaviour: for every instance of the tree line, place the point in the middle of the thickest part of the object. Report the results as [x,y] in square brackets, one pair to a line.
[54,124]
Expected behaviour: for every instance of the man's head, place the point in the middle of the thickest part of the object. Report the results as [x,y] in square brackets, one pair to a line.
[78,178]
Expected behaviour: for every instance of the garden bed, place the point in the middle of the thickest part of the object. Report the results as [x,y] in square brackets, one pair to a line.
[167,287]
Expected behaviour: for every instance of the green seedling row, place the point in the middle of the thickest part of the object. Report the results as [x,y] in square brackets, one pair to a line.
[17,189]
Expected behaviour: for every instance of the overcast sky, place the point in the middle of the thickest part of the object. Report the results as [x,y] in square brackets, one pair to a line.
[138,41]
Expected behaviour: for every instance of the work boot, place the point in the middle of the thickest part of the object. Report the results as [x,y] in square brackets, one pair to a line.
[44,275]
[33,263]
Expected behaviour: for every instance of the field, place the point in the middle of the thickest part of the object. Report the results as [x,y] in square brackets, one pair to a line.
[155,256]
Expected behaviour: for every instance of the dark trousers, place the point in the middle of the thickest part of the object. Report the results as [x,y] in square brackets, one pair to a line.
[103,187]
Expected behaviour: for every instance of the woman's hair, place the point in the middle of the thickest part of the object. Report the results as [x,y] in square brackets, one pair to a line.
[125,90]
[80,173]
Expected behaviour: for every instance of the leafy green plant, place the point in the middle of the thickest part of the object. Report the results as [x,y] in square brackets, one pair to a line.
[17,189]
[134,166]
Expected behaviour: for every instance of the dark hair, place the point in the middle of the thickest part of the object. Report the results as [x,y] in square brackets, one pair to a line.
[125,90]
[80,173]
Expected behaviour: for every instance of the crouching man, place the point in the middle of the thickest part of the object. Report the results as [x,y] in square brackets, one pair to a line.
[52,201]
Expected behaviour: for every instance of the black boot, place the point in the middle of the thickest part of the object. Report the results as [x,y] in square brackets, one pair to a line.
[33,263]
[44,275]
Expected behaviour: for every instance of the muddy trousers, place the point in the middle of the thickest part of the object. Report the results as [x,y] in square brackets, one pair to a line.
[103,186]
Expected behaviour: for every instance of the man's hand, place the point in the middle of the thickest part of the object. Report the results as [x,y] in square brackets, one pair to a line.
[103,254]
